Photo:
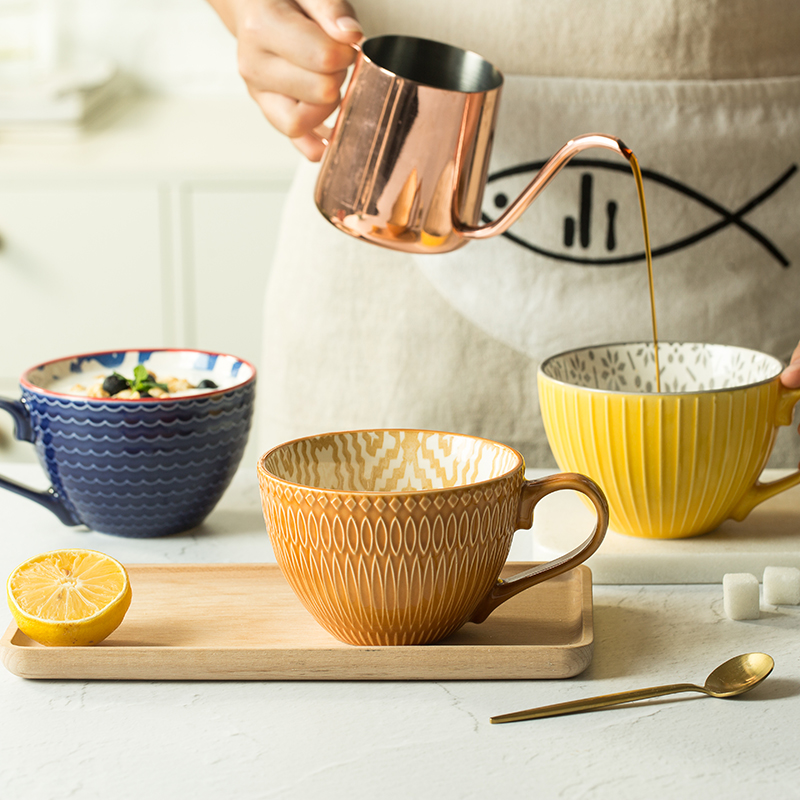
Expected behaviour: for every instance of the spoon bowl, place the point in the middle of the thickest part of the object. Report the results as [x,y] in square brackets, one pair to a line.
[736,676]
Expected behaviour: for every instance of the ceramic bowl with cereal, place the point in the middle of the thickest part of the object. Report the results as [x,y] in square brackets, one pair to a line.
[137,443]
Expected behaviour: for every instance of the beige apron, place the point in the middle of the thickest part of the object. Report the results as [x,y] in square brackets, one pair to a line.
[358,336]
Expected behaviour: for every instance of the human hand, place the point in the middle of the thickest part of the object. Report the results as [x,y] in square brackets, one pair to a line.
[293,56]
[790,377]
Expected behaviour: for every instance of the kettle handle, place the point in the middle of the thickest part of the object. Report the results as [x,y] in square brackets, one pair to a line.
[540,182]
[322,133]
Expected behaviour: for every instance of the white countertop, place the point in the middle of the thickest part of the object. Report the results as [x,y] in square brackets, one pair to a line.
[116,740]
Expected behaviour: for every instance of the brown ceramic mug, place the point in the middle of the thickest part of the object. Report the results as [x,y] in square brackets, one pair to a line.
[397,537]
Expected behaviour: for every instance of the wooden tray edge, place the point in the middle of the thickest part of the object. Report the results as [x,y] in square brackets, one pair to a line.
[290,664]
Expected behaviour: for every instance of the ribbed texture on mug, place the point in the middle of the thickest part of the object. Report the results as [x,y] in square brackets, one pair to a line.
[670,465]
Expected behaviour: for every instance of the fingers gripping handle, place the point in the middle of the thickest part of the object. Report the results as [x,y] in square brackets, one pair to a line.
[323,133]
[530,494]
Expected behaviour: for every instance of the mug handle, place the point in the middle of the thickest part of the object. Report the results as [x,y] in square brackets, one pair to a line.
[530,494]
[49,498]
[759,492]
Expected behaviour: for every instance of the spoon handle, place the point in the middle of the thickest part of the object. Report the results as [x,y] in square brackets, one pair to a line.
[592,703]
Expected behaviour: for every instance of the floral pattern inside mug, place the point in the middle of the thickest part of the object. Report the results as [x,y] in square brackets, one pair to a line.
[684,366]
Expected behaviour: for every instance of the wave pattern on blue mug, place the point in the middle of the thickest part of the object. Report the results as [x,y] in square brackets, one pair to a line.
[110,481]
[136,467]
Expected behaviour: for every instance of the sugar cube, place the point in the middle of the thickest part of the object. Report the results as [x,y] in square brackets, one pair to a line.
[782,586]
[740,595]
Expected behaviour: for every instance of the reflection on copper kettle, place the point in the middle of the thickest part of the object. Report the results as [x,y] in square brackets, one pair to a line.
[406,163]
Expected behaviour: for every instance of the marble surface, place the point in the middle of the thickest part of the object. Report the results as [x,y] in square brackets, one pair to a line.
[428,739]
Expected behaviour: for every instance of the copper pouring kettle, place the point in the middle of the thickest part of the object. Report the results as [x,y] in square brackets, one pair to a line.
[406,164]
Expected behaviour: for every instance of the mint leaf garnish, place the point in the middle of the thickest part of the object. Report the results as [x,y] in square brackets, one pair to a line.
[142,381]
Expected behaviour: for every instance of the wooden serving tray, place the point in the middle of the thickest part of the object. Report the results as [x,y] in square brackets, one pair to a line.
[243,622]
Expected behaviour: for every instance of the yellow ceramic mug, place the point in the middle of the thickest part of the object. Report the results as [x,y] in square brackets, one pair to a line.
[676,463]
[397,537]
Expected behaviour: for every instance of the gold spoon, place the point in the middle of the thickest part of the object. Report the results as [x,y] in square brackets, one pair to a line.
[736,676]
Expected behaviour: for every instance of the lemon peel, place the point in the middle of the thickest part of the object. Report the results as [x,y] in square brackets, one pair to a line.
[69,598]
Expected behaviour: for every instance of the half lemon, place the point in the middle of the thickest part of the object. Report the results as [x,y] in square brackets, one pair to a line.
[69,598]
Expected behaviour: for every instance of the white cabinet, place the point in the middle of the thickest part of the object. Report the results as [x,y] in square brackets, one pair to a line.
[231,237]
[157,231]
[80,268]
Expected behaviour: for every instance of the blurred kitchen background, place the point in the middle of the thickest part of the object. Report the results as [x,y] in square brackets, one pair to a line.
[166,46]
[140,187]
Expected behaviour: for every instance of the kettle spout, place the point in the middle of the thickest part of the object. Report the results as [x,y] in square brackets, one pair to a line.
[540,182]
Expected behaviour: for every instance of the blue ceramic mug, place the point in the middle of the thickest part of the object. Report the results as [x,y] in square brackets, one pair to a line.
[143,466]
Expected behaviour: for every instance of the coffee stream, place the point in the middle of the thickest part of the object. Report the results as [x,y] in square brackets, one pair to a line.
[637,174]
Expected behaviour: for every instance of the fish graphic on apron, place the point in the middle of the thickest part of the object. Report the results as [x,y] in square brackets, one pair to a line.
[359,336]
